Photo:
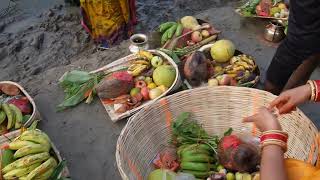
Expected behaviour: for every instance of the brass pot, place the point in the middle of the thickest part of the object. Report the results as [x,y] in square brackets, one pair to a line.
[274,31]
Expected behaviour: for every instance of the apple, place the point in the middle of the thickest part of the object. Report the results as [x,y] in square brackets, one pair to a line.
[148,80]
[154,93]
[134,91]
[230,176]
[156,61]
[205,33]
[140,84]
[145,93]
[163,88]
[213,82]
[164,75]
[196,37]
[152,85]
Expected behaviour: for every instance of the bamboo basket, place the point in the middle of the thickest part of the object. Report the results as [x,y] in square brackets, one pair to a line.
[124,63]
[54,151]
[35,113]
[217,109]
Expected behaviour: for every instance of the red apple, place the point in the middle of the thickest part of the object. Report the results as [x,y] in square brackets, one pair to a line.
[145,93]
[140,84]
[196,36]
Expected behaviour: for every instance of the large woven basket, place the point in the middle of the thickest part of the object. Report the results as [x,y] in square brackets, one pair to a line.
[35,113]
[124,63]
[217,109]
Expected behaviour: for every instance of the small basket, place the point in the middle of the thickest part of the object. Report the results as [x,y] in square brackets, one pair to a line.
[217,109]
[12,135]
[206,50]
[35,113]
[124,63]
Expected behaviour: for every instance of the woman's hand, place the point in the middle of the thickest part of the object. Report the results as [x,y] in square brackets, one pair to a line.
[288,100]
[264,120]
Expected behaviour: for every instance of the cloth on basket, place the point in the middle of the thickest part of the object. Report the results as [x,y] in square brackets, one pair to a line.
[108,21]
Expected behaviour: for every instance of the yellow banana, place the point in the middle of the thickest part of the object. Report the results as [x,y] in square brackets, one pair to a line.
[248,59]
[51,162]
[31,149]
[20,171]
[146,54]
[35,136]
[244,64]
[141,62]
[26,161]
[17,144]
[138,70]
[45,175]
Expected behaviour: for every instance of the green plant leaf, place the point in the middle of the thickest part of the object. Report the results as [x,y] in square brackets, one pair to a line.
[57,171]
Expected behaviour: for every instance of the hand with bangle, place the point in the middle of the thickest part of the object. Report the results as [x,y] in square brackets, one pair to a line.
[288,100]
[273,143]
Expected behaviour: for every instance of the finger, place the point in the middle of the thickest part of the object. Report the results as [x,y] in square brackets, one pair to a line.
[249,119]
[278,101]
[287,108]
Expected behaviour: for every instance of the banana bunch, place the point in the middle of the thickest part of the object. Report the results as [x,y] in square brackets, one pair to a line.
[168,29]
[240,63]
[141,63]
[32,158]
[13,115]
[196,159]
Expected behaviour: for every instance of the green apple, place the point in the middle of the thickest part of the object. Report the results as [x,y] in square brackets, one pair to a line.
[154,93]
[134,91]
[164,75]
[148,80]
[156,61]
[230,176]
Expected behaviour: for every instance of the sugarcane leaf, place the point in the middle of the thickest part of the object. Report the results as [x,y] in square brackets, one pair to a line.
[75,76]
[228,132]
[57,171]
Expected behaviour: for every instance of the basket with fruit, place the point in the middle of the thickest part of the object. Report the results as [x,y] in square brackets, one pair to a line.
[186,35]
[270,9]
[220,64]
[30,154]
[17,108]
[135,81]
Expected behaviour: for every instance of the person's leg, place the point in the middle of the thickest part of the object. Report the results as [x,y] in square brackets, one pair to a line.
[284,62]
[302,74]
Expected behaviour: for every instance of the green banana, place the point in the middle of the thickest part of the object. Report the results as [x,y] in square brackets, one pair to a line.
[179,30]
[195,166]
[197,158]
[31,149]
[10,115]
[172,30]
[18,115]
[45,175]
[20,171]
[163,27]
[36,136]
[17,144]
[51,162]
[26,161]
[164,37]
[2,116]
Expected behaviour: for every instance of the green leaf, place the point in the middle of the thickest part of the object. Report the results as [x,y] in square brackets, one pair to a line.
[75,76]
[228,132]
[57,171]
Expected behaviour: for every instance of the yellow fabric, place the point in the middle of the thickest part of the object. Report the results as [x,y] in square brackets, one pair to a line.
[106,16]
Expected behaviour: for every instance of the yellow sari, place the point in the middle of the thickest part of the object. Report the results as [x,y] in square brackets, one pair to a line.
[108,21]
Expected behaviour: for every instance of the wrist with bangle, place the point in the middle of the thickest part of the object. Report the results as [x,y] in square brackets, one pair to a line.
[315,90]
[274,137]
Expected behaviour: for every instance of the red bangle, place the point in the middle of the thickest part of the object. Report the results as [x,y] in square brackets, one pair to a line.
[317,83]
[274,136]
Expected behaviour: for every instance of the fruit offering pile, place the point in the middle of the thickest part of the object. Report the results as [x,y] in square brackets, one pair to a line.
[185,33]
[28,157]
[203,156]
[219,64]
[15,108]
[265,8]
[147,77]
